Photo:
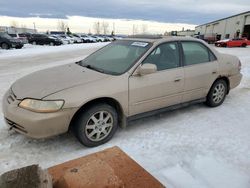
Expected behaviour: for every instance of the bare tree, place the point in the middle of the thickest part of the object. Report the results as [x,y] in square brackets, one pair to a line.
[62,26]
[144,28]
[105,27]
[14,24]
[135,29]
[97,27]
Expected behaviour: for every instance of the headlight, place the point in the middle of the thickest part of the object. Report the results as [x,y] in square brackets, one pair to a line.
[41,106]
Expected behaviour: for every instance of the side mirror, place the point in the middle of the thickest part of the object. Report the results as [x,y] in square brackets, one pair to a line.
[146,69]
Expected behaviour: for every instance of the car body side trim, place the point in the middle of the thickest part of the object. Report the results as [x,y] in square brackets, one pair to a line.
[169,108]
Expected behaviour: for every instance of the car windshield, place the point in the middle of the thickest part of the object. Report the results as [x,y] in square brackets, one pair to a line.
[5,35]
[117,57]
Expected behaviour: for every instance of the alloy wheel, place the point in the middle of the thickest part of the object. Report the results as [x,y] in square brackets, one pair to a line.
[99,126]
[219,93]
[5,46]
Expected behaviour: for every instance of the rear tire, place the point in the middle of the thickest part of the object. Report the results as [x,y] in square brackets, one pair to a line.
[217,93]
[5,46]
[96,125]
[244,45]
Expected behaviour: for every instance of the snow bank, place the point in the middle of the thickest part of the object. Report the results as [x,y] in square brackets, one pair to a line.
[32,50]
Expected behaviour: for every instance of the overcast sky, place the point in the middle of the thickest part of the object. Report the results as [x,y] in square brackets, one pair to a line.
[175,11]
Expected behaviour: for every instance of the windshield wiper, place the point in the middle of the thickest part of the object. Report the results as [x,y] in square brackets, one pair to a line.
[79,63]
[95,68]
[91,67]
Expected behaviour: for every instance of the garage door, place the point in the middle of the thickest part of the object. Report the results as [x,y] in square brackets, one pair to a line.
[247,20]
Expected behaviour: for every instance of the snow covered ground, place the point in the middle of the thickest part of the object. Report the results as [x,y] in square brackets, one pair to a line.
[194,147]
[31,50]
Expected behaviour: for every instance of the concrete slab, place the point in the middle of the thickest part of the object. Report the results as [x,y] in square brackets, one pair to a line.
[110,168]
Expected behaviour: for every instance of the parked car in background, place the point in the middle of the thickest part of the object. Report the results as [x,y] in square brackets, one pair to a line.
[17,36]
[237,42]
[66,37]
[75,38]
[42,39]
[78,37]
[122,81]
[6,42]
[64,40]
[209,38]
[98,38]
[27,35]
[107,38]
[88,39]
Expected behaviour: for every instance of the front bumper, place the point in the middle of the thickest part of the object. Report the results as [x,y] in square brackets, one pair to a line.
[218,44]
[32,124]
[16,45]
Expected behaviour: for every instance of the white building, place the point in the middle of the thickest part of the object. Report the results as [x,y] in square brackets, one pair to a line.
[14,30]
[230,27]
[186,33]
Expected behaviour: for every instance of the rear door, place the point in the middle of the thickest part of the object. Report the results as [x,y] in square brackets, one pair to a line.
[200,70]
[162,88]
[38,39]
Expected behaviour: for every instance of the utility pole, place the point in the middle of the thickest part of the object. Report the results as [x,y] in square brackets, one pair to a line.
[34,26]
[114,27]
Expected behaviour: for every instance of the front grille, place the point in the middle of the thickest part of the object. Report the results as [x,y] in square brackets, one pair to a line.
[15,126]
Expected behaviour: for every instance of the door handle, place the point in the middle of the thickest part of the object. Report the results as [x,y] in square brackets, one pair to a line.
[214,72]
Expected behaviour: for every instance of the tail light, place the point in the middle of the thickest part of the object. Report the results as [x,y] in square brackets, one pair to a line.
[239,66]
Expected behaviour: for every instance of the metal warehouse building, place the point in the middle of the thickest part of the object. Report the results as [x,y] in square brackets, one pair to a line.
[230,27]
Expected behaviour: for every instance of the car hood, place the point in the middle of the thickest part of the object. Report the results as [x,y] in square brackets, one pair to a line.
[225,40]
[15,40]
[49,81]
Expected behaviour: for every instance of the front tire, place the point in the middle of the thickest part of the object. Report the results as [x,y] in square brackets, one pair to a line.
[96,125]
[244,45]
[5,46]
[217,93]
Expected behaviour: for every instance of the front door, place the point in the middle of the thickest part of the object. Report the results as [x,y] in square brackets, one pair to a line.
[162,88]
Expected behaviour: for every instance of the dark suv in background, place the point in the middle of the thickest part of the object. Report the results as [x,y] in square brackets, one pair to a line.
[6,42]
[42,39]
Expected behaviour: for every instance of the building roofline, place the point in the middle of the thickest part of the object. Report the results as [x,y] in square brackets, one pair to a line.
[224,18]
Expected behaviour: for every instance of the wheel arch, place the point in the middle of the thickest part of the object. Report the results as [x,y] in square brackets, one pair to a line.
[244,44]
[5,42]
[226,80]
[103,100]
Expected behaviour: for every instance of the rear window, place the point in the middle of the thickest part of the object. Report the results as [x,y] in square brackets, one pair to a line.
[195,53]
[13,35]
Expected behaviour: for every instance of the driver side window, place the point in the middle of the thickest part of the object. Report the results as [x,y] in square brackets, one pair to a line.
[165,56]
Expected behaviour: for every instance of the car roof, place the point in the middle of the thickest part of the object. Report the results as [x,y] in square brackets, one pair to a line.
[158,38]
